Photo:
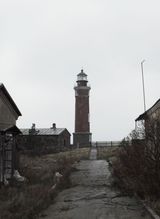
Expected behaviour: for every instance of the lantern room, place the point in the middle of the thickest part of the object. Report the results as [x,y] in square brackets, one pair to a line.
[82,79]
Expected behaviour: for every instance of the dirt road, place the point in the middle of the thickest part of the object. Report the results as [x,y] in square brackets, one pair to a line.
[92,197]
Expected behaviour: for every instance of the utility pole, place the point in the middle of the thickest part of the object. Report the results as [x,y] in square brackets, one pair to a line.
[144,98]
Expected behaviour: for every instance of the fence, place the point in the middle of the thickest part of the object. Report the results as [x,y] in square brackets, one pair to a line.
[106,143]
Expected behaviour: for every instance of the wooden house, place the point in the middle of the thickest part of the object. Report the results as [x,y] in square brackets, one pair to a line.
[150,120]
[152,114]
[9,114]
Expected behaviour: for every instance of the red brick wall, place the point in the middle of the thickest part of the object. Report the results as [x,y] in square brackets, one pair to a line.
[82,111]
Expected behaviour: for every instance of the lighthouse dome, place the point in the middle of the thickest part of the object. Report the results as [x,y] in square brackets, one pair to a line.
[82,76]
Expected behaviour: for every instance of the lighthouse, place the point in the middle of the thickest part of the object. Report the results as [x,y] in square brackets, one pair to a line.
[82,135]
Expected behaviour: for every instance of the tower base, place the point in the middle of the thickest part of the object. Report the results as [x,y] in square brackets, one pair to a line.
[82,139]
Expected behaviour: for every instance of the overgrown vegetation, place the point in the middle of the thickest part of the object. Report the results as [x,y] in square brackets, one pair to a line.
[107,153]
[137,167]
[26,200]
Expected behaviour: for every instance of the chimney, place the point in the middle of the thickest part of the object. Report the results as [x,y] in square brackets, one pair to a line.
[32,131]
[33,126]
[54,126]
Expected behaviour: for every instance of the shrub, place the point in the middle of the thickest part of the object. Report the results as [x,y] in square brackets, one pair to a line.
[138,163]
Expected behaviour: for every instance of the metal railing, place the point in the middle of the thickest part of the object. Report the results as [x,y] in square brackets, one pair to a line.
[106,143]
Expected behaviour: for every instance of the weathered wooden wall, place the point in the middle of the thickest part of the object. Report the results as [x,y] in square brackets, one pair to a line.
[7,115]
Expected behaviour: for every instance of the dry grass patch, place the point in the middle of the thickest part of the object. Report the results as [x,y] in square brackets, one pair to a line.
[27,200]
[107,153]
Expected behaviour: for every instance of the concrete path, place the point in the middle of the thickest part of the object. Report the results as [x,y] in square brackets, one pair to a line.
[93,154]
[92,197]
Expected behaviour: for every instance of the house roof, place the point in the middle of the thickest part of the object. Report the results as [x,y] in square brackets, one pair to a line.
[44,131]
[141,117]
[145,114]
[4,90]
[12,129]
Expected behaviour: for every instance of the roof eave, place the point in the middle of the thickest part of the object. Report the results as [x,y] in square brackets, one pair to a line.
[2,87]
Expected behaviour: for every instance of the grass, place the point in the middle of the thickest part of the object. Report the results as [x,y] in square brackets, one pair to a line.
[27,200]
[107,153]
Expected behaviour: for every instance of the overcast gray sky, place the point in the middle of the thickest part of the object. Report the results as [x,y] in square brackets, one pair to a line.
[44,45]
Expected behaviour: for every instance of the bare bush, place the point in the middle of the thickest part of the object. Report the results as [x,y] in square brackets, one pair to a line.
[138,163]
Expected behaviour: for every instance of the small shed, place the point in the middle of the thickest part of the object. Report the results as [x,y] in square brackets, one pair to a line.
[44,140]
[9,114]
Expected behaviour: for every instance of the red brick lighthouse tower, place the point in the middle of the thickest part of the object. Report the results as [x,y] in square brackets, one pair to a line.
[82,135]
